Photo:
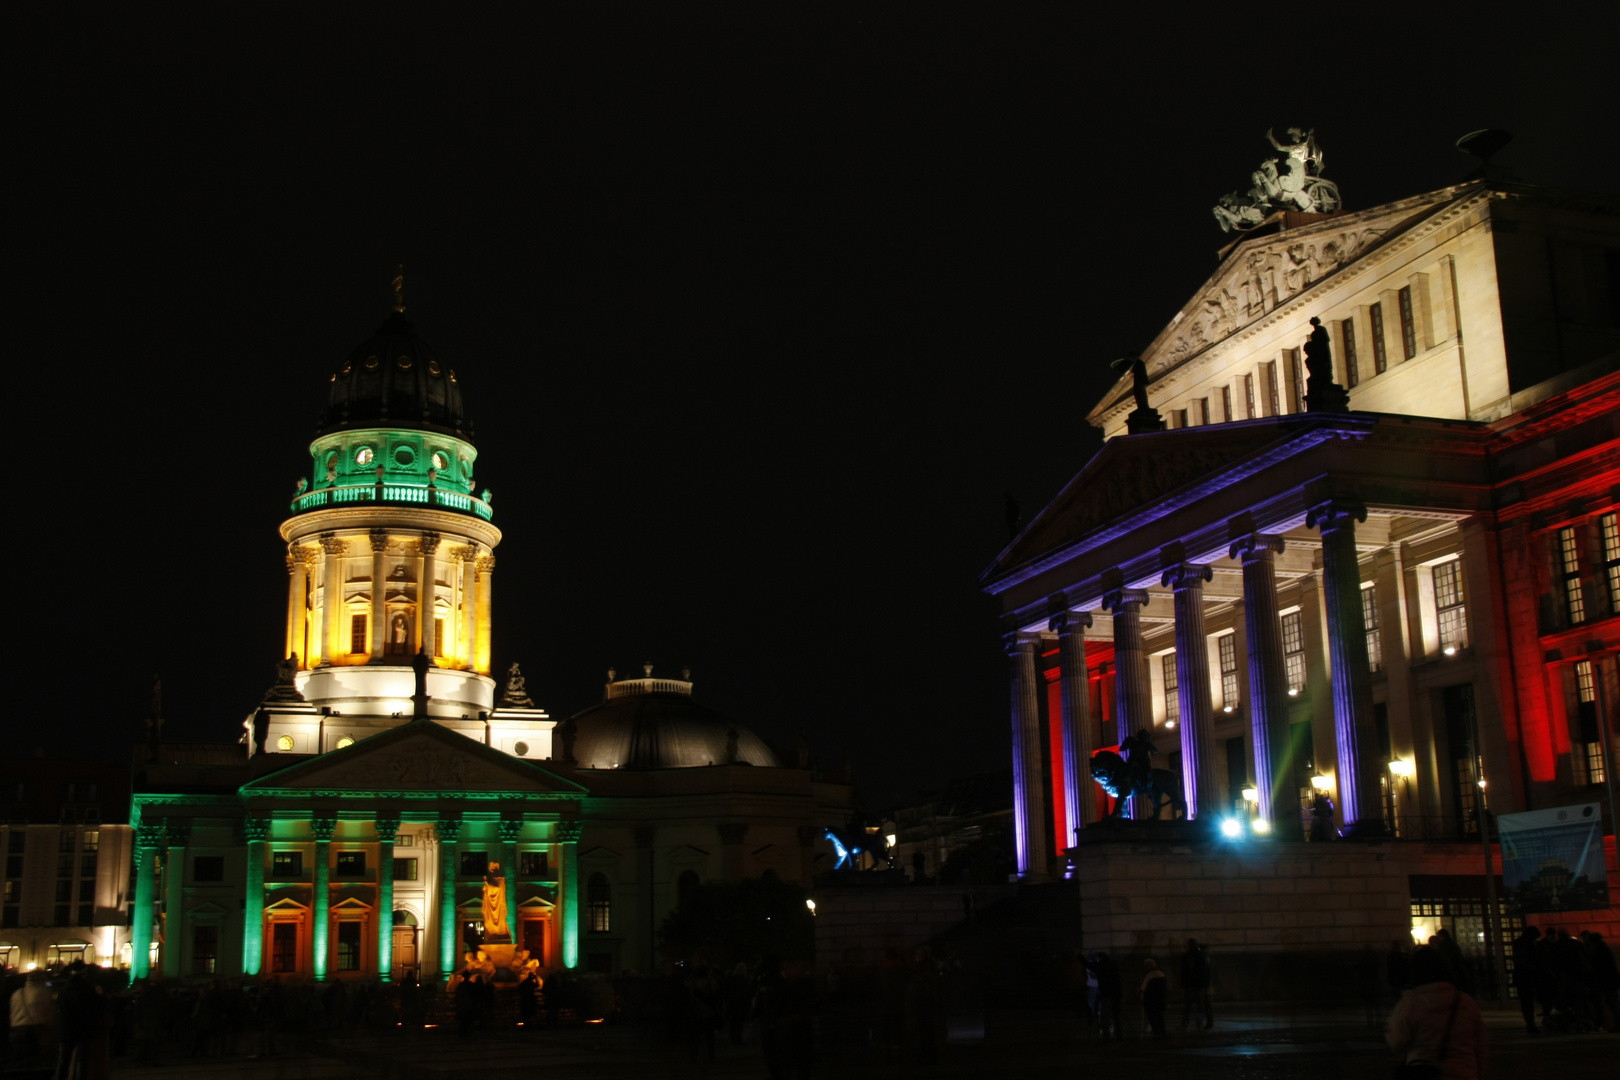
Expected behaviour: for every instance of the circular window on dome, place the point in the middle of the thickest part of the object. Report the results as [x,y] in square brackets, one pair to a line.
[345,741]
[521,749]
[433,366]
[334,378]
[404,457]
[284,743]
[364,456]
[348,366]
[371,362]
[452,375]
[438,461]
[404,362]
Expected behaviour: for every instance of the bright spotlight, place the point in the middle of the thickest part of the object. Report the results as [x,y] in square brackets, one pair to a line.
[1231,828]
[1450,650]
[1251,794]
[1260,825]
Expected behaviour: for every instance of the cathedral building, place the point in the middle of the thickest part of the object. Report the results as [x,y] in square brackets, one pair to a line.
[386,778]
[1394,583]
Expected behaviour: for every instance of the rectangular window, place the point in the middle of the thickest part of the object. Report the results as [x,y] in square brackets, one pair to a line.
[1351,375]
[64,866]
[87,892]
[1297,359]
[287,864]
[351,865]
[14,865]
[9,919]
[284,947]
[348,942]
[208,868]
[61,914]
[1375,315]
[438,637]
[87,915]
[1570,565]
[1408,323]
[405,870]
[67,840]
[1181,418]
[1248,396]
[90,840]
[474,864]
[1275,388]
[18,838]
[204,950]
[404,839]
[1172,700]
[532,864]
[64,891]
[599,903]
[1375,637]
[1226,646]
[1586,755]
[1203,410]
[1609,526]
[87,866]
[1237,774]
[1448,602]
[357,633]
[1293,632]
[1226,403]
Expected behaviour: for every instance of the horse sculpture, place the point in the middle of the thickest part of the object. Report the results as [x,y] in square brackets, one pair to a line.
[1124,779]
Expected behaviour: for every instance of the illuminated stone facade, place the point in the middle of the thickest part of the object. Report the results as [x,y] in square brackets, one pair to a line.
[1412,606]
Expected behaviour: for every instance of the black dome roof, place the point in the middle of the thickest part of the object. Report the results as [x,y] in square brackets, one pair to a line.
[395,379]
[661,730]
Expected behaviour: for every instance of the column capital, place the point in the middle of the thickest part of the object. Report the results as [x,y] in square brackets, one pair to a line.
[1256,546]
[387,830]
[149,837]
[467,554]
[310,555]
[486,564]
[448,829]
[568,831]
[379,540]
[322,829]
[292,563]
[427,543]
[1186,575]
[1336,513]
[254,830]
[332,545]
[1114,599]
[1069,622]
[1016,641]
[510,829]
[178,830]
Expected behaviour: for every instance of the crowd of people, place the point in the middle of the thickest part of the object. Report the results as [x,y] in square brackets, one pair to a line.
[1572,977]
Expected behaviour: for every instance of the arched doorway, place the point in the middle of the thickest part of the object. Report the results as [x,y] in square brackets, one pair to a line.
[407,939]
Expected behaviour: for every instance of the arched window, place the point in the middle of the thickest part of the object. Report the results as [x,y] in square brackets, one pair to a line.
[599,903]
[686,887]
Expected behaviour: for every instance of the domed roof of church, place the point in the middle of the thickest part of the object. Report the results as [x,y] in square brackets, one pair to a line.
[395,379]
[655,724]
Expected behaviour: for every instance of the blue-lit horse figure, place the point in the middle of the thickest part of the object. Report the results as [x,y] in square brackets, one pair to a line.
[1124,779]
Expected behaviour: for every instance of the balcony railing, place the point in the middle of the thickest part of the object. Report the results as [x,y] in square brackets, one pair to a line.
[392,494]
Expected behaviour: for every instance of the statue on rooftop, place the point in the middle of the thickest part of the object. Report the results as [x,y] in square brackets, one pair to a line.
[1322,394]
[516,694]
[1300,188]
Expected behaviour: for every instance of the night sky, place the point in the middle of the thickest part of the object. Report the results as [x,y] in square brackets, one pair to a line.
[758,311]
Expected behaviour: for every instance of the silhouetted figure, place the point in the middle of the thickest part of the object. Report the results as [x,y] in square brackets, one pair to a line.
[1436,1023]
[1367,983]
[1155,995]
[1527,974]
[1110,995]
[466,1002]
[1462,972]
[702,1011]
[739,997]
[528,992]
[1322,818]
[1397,970]
[1605,978]
[1195,986]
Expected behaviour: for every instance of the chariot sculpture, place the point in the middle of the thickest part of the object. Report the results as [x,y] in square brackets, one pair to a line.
[1302,187]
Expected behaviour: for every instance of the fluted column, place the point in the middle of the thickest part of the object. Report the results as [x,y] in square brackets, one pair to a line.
[1133,692]
[174,893]
[449,830]
[295,605]
[1353,724]
[332,599]
[1192,689]
[379,594]
[1079,730]
[486,600]
[387,833]
[1029,815]
[1268,682]
[568,833]
[320,915]
[427,593]
[469,605]
[148,841]
[255,831]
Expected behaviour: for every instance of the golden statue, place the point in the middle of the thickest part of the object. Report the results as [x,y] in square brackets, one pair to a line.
[495,926]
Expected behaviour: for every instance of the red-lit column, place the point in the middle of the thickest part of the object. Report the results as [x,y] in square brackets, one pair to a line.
[1192,683]
[1079,731]
[1029,818]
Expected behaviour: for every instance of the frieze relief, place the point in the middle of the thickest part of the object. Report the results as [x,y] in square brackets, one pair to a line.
[1266,278]
[421,767]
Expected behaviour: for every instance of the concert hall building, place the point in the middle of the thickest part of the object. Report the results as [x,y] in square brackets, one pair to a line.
[1412,605]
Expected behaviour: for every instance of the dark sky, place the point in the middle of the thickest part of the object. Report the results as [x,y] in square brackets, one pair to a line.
[758,310]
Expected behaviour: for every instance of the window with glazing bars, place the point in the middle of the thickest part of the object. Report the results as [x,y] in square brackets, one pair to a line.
[1275,387]
[348,943]
[1203,410]
[1408,322]
[204,950]
[1375,637]
[1569,560]
[1297,360]
[1448,602]
[1375,317]
[1351,375]
[1226,403]
[357,633]
[599,903]
[1610,526]
[1248,395]
[1586,755]
[1172,701]
[1226,647]
[1293,634]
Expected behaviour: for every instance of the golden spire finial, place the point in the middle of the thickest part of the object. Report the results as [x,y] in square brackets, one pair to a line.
[399,288]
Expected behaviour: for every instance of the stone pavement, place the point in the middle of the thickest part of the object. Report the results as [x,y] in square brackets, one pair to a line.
[1247,1042]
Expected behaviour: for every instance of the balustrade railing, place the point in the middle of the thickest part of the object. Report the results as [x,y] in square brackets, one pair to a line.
[395,494]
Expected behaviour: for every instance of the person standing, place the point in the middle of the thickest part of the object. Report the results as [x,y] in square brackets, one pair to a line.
[1195,986]
[1527,974]
[1110,996]
[31,1017]
[1155,996]
[1605,978]
[1435,1023]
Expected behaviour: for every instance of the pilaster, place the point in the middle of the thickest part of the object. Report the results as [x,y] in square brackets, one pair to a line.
[449,830]
[148,842]
[387,833]
[255,831]
[320,915]
[568,836]
[178,835]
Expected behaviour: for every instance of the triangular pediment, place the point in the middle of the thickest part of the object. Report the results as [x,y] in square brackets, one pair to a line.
[418,757]
[286,906]
[1136,472]
[536,903]
[351,904]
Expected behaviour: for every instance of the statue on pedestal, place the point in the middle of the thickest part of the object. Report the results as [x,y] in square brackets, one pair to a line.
[1132,775]
[1322,393]
[496,928]
[1144,417]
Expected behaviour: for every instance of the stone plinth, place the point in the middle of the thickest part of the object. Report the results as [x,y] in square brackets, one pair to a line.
[858,926]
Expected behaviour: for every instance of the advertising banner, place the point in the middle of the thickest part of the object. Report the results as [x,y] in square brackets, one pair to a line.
[1552,860]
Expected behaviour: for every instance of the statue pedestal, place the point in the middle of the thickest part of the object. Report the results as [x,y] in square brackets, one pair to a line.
[1143,422]
[502,955]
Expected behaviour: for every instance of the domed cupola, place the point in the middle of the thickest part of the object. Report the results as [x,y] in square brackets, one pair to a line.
[653,723]
[396,379]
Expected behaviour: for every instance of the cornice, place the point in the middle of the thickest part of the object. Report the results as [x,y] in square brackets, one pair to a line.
[359,520]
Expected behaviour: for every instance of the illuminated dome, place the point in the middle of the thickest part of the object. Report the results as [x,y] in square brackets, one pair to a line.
[655,724]
[395,379]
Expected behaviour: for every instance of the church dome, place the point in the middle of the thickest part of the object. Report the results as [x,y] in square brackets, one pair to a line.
[395,379]
[655,724]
